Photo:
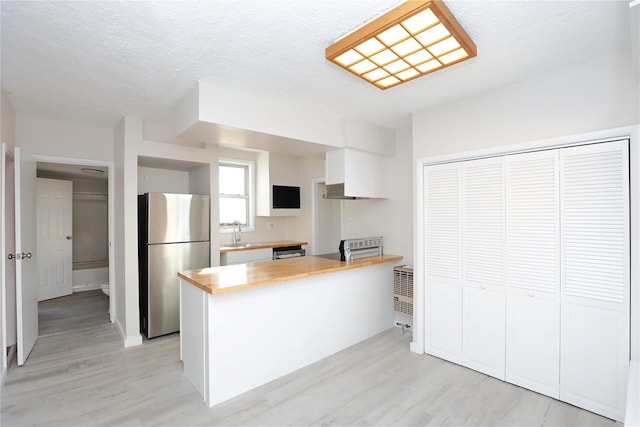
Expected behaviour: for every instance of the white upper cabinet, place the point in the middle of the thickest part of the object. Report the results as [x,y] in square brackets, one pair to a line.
[363,174]
[360,168]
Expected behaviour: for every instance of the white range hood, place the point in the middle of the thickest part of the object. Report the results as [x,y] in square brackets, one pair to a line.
[355,174]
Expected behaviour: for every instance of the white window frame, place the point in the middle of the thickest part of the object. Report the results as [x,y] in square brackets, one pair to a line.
[250,192]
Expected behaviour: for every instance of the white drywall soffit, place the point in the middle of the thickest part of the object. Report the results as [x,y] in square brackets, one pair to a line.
[233,118]
[97,61]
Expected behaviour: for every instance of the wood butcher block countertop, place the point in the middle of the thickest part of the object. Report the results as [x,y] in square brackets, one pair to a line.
[217,280]
[261,245]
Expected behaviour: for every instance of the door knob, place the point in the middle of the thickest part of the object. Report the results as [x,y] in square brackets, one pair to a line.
[23,256]
[69,237]
[11,256]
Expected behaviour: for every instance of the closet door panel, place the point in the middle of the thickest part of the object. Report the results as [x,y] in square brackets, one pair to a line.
[595,277]
[483,330]
[483,300]
[444,321]
[533,346]
[533,272]
[592,365]
[443,271]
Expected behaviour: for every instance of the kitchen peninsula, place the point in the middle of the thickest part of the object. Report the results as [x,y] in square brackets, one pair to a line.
[247,324]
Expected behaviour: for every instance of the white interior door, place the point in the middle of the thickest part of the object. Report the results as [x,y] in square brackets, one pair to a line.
[54,204]
[3,264]
[483,266]
[595,277]
[443,261]
[26,265]
[533,272]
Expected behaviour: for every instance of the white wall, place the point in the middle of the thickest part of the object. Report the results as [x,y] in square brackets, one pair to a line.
[390,218]
[47,137]
[253,112]
[162,180]
[301,227]
[591,96]
[118,288]
[8,120]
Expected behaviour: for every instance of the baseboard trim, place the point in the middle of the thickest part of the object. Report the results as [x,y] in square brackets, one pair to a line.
[83,288]
[414,347]
[5,369]
[128,341]
[133,341]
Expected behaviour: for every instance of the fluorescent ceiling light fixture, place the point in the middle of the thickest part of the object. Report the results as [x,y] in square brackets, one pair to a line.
[411,40]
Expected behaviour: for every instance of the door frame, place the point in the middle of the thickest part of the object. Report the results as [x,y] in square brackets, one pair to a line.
[4,251]
[111,214]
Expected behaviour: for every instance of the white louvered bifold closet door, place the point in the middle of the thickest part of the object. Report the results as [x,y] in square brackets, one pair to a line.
[483,256]
[595,276]
[533,272]
[443,263]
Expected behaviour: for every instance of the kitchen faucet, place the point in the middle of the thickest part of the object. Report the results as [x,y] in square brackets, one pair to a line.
[236,236]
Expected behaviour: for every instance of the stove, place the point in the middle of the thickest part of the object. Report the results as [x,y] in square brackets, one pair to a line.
[351,249]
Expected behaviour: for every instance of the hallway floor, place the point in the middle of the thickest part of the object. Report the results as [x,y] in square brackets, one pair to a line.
[73,312]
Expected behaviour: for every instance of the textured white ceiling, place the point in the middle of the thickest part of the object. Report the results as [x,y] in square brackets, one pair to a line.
[94,61]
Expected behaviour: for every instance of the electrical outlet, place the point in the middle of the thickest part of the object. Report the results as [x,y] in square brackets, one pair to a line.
[270,226]
[145,177]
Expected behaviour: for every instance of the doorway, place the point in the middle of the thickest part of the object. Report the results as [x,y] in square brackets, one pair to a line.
[85,300]
[326,219]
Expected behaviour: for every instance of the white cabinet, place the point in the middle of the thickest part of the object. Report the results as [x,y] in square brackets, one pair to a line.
[443,263]
[275,169]
[244,256]
[363,174]
[483,300]
[545,262]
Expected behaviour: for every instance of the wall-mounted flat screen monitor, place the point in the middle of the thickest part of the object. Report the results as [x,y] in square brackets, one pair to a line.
[285,197]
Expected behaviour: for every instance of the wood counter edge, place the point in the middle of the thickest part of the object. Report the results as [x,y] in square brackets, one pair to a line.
[341,266]
[262,245]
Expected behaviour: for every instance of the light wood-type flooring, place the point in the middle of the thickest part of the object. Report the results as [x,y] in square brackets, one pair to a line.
[87,378]
[73,312]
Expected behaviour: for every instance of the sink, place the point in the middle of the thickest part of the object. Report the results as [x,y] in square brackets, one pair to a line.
[242,245]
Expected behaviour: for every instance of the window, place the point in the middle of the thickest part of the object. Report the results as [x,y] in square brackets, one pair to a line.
[235,186]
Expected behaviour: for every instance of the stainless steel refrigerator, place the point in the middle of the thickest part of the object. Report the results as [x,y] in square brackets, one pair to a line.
[173,235]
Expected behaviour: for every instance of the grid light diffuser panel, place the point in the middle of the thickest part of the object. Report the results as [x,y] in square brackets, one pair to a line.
[416,38]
